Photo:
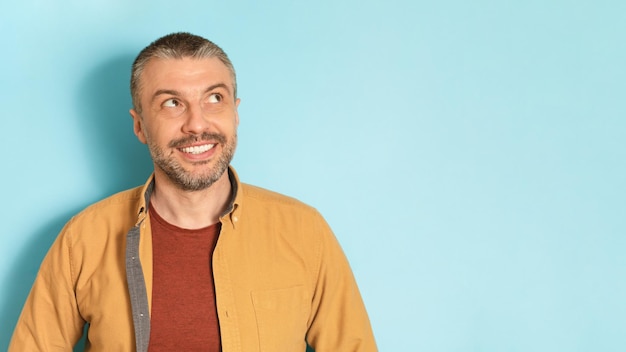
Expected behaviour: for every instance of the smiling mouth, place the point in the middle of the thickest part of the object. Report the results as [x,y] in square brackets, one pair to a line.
[197,149]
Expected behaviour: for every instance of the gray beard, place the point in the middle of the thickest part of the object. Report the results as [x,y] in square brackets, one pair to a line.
[184,179]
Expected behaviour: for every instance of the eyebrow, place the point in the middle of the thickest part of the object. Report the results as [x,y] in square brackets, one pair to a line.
[177,93]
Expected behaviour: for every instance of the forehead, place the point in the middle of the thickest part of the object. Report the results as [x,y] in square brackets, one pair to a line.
[184,73]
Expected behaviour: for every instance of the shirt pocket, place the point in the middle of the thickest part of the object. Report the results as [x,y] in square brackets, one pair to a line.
[281,317]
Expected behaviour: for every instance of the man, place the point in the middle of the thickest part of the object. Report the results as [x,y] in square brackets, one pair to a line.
[194,259]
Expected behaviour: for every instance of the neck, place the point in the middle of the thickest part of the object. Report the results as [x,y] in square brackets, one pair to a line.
[190,209]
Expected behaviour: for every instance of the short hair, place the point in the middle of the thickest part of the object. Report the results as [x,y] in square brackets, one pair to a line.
[176,46]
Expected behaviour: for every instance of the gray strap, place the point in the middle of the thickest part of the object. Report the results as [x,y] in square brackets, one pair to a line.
[137,291]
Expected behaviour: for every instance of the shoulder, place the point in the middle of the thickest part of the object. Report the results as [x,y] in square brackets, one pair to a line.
[265,206]
[113,213]
[122,202]
[258,196]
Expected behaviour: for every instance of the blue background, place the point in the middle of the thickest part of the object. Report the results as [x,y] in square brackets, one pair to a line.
[468,155]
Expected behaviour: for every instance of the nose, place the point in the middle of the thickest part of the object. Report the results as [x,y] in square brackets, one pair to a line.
[196,121]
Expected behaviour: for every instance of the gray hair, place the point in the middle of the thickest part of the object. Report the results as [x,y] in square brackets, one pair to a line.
[176,46]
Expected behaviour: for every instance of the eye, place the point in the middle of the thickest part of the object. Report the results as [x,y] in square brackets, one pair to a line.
[215,98]
[171,103]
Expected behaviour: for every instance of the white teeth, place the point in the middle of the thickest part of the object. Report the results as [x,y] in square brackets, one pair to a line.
[197,149]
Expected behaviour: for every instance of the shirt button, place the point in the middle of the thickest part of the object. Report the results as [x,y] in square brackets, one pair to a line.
[235,219]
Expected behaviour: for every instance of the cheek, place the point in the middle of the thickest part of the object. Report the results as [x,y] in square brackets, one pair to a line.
[157,134]
[234,122]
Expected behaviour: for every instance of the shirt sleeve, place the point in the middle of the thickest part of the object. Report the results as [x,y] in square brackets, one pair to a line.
[338,321]
[50,319]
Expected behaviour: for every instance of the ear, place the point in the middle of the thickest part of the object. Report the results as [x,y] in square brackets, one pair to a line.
[138,126]
[237,111]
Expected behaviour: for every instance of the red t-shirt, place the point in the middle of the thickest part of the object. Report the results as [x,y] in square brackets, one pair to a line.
[184,314]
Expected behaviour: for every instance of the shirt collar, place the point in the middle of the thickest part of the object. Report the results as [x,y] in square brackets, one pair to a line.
[232,210]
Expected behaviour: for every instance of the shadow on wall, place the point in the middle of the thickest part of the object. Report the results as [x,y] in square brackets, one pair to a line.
[22,274]
[117,162]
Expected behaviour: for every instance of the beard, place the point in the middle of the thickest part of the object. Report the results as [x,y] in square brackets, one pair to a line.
[186,180]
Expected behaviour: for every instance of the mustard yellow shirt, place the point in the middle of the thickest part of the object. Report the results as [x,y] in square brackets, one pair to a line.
[281,280]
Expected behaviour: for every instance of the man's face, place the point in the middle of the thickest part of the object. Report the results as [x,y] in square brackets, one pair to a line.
[189,119]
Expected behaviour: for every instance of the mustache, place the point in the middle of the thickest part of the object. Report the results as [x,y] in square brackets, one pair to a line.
[206,136]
